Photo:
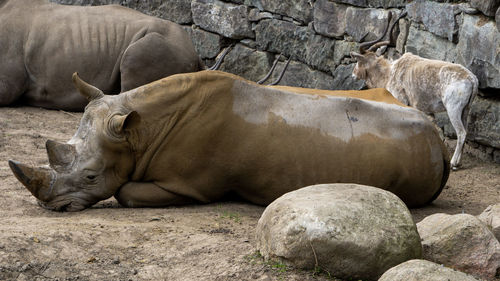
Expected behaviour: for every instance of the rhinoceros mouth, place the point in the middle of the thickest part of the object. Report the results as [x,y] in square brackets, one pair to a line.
[64,205]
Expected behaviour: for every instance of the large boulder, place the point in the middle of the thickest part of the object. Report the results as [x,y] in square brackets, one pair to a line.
[352,231]
[422,270]
[491,217]
[487,7]
[462,242]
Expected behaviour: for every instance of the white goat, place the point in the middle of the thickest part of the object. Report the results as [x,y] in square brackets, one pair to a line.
[428,85]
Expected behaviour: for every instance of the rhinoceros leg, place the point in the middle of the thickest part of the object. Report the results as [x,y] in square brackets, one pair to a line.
[146,194]
[154,57]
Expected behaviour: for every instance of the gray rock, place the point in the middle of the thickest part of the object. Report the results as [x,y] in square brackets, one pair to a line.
[207,44]
[178,11]
[487,7]
[300,10]
[330,18]
[343,50]
[376,3]
[301,75]
[227,19]
[362,21]
[282,37]
[247,63]
[343,80]
[353,231]
[422,270]
[443,121]
[320,52]
[256,15]
[438,18]
[491,217]
[478,50]
[462,242]
[430,46]
[484,122]
[298,42]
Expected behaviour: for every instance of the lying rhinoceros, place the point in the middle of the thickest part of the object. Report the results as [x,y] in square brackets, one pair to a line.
[196,137]
[118,49]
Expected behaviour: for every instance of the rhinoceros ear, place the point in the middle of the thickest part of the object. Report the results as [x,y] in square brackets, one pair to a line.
[119,124]
[60,155]
[88,91]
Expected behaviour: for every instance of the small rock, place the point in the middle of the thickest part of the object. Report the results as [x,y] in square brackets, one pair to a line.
[491,217]
[462,242]
[420,270]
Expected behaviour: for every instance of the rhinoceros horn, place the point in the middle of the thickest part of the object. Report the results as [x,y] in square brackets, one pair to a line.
[37,180]
[60,155]
[87,90]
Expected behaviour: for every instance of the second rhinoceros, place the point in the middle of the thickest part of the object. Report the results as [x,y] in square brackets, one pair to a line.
[118,49]
[196,137]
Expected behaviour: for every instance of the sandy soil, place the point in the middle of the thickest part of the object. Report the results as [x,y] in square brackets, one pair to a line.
[107,242]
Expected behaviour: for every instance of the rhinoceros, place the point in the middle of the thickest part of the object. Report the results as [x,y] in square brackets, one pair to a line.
[116,48]
[197,137]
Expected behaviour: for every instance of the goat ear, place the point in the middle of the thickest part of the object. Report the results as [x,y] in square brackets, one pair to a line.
[358,57]
[381,51]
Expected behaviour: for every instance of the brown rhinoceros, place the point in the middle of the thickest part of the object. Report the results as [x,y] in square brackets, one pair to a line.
[196,137]
[117,48]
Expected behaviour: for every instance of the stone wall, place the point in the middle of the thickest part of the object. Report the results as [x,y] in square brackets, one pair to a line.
[319,34]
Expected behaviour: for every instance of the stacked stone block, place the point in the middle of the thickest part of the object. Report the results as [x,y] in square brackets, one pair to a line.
[319,34]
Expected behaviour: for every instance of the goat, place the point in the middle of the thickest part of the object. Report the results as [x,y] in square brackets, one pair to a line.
[429,85]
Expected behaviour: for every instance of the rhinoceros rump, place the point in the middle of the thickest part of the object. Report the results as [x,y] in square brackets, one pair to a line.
[118,49]
[195,137]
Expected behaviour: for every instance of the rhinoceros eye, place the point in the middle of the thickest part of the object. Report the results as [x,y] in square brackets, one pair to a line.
[91,177]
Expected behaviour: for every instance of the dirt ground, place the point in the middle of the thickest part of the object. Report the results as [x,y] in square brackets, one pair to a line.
[202,242]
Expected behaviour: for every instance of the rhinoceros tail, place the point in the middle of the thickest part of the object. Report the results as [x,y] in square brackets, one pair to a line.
[446,172]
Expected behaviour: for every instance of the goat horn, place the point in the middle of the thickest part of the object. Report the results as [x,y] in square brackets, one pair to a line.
[363,46]
[378,45]
[282,72]
[221,58]
[275,63]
